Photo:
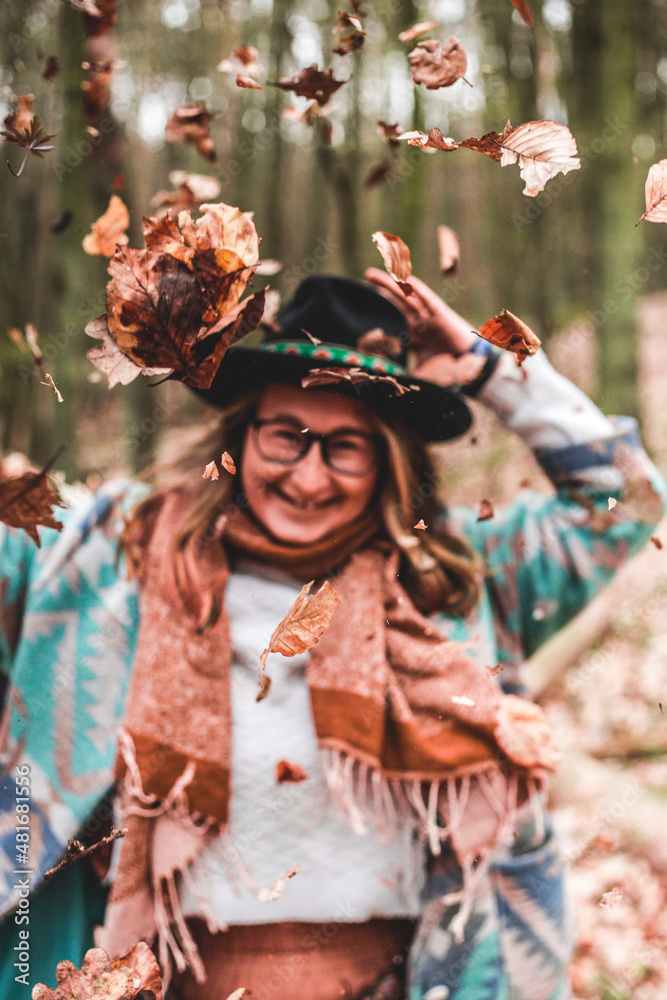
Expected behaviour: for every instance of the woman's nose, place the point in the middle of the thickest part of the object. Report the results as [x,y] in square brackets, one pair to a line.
[311,473]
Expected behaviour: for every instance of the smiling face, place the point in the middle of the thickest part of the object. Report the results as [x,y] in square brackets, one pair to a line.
[303,501]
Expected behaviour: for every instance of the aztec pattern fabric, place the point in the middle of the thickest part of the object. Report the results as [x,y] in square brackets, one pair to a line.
[68,623]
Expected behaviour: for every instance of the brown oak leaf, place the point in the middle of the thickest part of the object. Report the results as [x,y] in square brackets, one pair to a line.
[26,501]
[288,771]
[191,124]
[313,83]
[509,332]
[438,64]
[396,258]
[108,357]
[134,975]
[656,193]
[448,247]
[108,230]
[304,623]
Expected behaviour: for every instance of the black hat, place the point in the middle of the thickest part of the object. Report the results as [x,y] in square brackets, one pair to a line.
[338,313]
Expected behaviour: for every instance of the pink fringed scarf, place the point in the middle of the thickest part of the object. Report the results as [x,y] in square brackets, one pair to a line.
[407,722]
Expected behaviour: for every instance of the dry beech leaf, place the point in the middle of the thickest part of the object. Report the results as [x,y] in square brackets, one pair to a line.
[448,247]
[264,687]
[524,11]
[523,733]
[509,332]
[396,258]
[288,771]
[278,887]
[191,124]
[656,193]
[211,472]
[434,140]
[379,173]
[421,28]
[134,975]
[495,671]
[656,541]
[227,462]
[420,525]
[378,342]
[108,357]
[438,64]
[486,511]
[611,899]
[391,132]
[247,83]
[351,33]
[544,148]
[246,57]
[304,623]
[109,230]
[26,501]
[315,84]
[327,376]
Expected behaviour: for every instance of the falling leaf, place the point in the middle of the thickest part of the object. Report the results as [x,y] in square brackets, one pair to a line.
[611,503]
[60,224]
[191,191]
[108,357]
[245,56]
[434,140]
[461,699]
[378,342]
[191,124]
[327,376]
[656,541]
[611,899]
[544,148]
[32,139]
[396,258]
[312,83]
[379,173]
[351,33]
[227,462]
[17,338]
[390,132]
[26,501]
[509,332]
[486,511]
[438,64]
[97,86]
[421,28]
[51,68]
[99,17]
[109,230]
[48,380]
[524,10]
[278,887]
[264,687]
[420,525]
[656,193]
[304,623]
[211,472]
[448,246]
[288,771]
[21,116]
[134,975]
[246,83]
[494,671]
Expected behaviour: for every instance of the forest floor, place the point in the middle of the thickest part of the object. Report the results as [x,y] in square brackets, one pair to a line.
[603,685]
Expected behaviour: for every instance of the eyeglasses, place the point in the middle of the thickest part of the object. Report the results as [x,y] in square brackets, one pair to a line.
[351,453]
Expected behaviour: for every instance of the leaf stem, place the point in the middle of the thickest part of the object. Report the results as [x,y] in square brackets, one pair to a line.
[20,170]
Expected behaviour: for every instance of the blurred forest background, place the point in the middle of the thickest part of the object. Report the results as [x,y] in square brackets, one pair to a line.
[571,254]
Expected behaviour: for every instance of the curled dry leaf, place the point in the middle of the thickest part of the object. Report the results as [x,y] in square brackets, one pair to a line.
[109,230]
[434,140]
[244,57]
[524,11]
[438,64]
[327,376]
[351,33]
[544,148]
[227,462]
[396,258]
[656,193]
[495,671]
[420,525]
[278,887]
[304,623]
[421,28]
[486,511]
[26,501]
[448,247]
[264,687]
[288,771]
[51,68]
[523,733]
[108,357]
[247,83]
[313,83]
[509,332]
[134,975]
[211,472]
[191,124]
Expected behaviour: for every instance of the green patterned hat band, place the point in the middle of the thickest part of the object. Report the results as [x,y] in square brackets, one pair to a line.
[333,354]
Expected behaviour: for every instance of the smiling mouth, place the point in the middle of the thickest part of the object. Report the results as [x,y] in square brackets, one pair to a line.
[304,506]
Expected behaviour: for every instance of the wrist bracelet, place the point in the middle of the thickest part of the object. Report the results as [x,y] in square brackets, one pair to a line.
[492,356]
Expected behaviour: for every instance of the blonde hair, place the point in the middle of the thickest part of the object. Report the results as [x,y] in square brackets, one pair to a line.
[439,571]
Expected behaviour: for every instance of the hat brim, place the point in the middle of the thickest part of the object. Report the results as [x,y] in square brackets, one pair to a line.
[436,413]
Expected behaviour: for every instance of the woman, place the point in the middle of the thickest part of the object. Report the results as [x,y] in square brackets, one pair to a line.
[413,770]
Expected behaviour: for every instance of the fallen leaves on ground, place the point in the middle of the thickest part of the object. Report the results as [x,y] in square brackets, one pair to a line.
[134,975]
[313,83]
[109,230]
[421,28]
[191,124]
[509,332]
[448,248]
[328,376]
[396,258]
[288,771]
[278,887]
[656,193]
[438,64]
[304,623]
[26,501]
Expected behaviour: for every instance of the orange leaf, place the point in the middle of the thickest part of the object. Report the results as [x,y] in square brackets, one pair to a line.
[656,193]
[131,976]
[524,10]
[420,525]
[247,83]
[26,501]
[109,230]
[304,623]
[544,148]
[448,245]
[396,257]
[438,64]
[211,472]
[288,771]
[509,332]
[421,28]
[227,462]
